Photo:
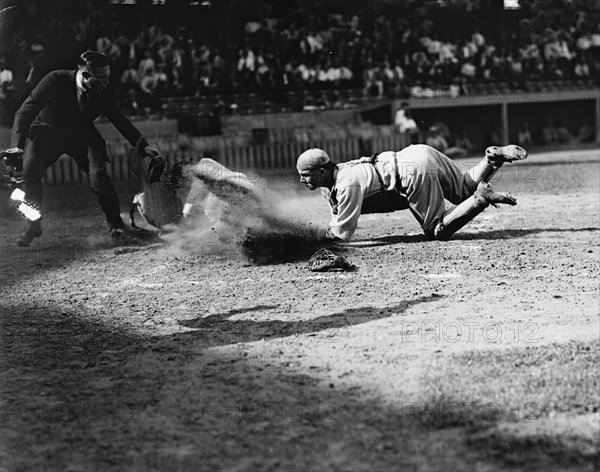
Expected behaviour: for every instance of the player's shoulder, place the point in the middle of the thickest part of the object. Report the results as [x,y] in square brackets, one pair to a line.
[353,173]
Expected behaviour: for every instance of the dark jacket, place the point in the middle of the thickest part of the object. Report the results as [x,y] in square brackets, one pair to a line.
[52,107]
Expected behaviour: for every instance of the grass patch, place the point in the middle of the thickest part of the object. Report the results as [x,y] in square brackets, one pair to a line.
[563,440]
[516,385]
[535,406]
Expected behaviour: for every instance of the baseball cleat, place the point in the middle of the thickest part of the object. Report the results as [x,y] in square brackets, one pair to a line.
[484,189]
[118,237]
[509,153]
[33,230]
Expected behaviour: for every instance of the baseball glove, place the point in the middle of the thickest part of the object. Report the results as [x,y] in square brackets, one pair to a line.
[324,260]
[11,168]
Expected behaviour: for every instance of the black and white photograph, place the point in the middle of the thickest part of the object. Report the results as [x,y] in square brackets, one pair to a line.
[299,235]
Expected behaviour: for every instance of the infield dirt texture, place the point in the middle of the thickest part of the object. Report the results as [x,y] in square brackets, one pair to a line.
[480,353]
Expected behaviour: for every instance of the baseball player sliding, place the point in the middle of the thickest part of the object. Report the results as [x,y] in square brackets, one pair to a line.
[418,178]
[221,193]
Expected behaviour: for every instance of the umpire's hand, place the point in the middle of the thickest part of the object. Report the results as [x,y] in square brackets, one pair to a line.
[13,157]
[157,164]
[151,152]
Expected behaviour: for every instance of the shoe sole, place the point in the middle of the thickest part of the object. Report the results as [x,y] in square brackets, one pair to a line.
[509,153]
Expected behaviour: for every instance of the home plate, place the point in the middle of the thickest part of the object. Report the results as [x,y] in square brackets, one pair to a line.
[447,275]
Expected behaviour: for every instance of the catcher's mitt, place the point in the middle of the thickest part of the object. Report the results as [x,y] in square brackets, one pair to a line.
[324,260]
[11,168]
[158,204]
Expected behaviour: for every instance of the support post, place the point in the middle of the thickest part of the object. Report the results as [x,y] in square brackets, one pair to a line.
[505,133]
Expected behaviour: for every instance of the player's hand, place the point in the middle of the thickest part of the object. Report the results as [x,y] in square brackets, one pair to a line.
[152,152]
[13,157]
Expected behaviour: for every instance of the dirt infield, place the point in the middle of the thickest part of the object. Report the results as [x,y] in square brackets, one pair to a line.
[480,353]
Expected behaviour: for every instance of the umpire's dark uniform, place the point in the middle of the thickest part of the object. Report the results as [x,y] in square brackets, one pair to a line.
[59,122]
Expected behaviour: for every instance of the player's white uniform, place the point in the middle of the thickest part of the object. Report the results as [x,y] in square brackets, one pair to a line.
[224,194]
[422,176]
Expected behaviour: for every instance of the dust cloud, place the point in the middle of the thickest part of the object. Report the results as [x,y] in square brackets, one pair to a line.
[250,221]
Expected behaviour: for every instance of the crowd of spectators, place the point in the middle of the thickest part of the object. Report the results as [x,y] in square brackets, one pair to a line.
[310,49]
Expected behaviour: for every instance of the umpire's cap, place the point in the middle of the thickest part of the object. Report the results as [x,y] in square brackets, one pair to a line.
[313,158]
[93,60]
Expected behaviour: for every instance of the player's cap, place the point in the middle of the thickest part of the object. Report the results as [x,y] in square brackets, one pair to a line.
[313,158]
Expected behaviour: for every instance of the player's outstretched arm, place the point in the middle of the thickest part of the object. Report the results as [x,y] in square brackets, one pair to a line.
[345,218]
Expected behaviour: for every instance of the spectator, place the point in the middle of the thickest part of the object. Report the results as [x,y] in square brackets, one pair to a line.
[595,42]
[147,65]
[463,142]
[549,133]
[6,94]
[130,79]
[586,133]
[437,141]
[149,96]
[315,42]
[346,75]
[468,70]
[582,68]
[563,134]
[524,135]
[307,74]
[6,79]
[496,135]
[388,53]
[404,121]
[443,129]
[478,39]
[373,80]
[584,42]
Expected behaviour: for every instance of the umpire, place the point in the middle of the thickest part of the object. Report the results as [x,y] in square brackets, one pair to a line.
[58,117]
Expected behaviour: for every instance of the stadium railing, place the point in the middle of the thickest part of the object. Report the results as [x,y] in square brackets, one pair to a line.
[270,159]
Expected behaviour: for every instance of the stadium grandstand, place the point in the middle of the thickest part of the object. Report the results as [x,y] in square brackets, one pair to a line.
[202,60]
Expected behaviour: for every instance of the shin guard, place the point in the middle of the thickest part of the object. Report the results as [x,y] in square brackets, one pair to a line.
[460,215]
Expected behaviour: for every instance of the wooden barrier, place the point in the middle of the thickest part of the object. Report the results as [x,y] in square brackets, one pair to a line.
[277,158]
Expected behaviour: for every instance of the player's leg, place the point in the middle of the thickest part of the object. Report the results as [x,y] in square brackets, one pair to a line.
[457,217]
[195,200]
[476,182]
[40,153]
[234,188]
[495,157]
[426,170]
[418,180]
[433,179]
